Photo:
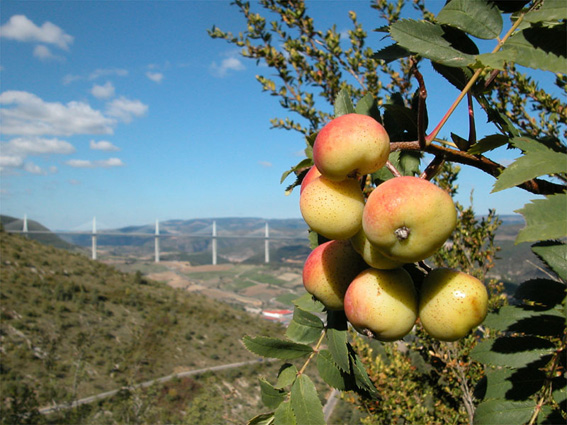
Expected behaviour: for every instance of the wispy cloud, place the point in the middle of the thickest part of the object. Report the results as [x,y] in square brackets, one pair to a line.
[230,63]
[96,74]
[104,91]
[15,151]
[155,76]
[44,53]
[103,145]
[105,163]
[265,164]
[20,28]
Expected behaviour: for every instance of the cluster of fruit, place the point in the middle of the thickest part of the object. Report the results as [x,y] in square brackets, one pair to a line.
[404,220]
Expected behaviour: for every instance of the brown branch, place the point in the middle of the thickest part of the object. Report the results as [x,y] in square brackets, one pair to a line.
[421,105]
[537,186]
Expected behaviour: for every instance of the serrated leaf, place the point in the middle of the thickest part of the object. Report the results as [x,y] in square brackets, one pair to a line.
[330,372]
[306,163]
[503,412]
[271,396]
[284,414]
[308,303]
[488,143]
[476,17]
[428,40]
[262,419]
[544,292]
[531,165]
[343,103]
[368,106]
[513,384]
[362,380]
[286,375]
[391,53]
[276,348]
[550,10]
[527,320]
[304,327]
[554,254]
[337,339]
[305,402]
[545,219]
[537,48]
[458,77]
[511,351]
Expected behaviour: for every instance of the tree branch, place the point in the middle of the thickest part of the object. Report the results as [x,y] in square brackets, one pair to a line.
[537,186]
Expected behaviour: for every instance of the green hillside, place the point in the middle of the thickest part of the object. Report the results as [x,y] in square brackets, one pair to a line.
[72,327]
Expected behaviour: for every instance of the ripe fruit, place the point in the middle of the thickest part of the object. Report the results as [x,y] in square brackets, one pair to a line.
[408,218]
[328,271]
[452,303]
[382,303]
[332,209]
[371,255]
[311,175]
[351,145]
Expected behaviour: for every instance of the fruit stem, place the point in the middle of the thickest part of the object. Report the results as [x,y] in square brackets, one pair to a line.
[433,167]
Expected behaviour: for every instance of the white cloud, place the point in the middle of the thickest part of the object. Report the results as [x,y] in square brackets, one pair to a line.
[11,161]
[32,116]
[106,163]
[155,76]
[20,28]
[32,168]
[105,91]
[125,109]
[265,164]
[103,145]
[42,52]
[231,63]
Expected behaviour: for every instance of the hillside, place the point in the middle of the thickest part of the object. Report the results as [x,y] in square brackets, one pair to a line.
[72,327]
[47,237]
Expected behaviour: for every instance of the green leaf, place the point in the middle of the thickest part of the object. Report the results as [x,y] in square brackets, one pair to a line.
[554,254]
[545,219]
[276,348]
[284,414]
[304,327]
[537,48]
[305,402]
[300,166]
[511,351]
[271,396]
[337,339]
[513,384]
[391,53]
[531,165]
[262,419]
[330,372]
[476,17]
[488,143]
[308,303]
[503,412]
[368,106]
[428,40]
[527,320]
[362,380]
[286,375]
[458,77]
[542,292]
[550,10]
[343,103]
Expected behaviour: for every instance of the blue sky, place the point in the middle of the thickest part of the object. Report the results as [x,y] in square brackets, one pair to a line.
[130,112]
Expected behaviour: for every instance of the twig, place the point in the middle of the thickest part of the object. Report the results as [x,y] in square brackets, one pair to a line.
[393,169]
